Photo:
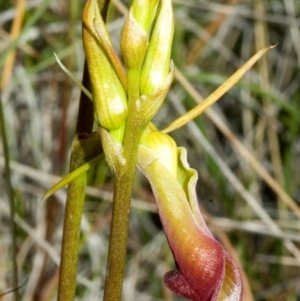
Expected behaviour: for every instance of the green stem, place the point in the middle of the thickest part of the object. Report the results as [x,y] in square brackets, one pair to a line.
[74,207]
[10,193]
[120,218]
[122,195]
[84,148]
[70,243]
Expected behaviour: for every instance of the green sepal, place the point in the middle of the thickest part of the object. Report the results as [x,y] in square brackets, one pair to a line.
[113,151]
[109,96]
[134,43]
[135,33]
[106,44]
[149,105]
[144,12]
[157,60]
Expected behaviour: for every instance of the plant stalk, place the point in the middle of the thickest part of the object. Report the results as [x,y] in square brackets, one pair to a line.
[70,244]
[84,148]
[122,195]
[120,218]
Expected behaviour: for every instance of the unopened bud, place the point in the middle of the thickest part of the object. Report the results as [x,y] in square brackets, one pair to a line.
[109,97]
[134,36]
[157,61]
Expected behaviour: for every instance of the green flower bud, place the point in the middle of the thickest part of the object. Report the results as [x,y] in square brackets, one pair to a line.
[149,105]
[144,12]
[109,97]
[134,36]
[157,61]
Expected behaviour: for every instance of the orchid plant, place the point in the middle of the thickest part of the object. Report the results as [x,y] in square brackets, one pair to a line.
[124,103]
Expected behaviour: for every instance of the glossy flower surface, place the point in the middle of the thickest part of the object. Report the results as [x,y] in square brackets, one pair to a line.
[204,270]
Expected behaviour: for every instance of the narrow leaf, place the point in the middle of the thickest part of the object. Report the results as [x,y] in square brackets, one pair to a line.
[72,175]
[75,80]
[217,94]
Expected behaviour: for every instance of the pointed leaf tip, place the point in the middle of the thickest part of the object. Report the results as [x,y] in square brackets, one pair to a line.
[71,176]
[74,79]
[217,94]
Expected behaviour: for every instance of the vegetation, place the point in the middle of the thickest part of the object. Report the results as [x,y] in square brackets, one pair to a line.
[245,149]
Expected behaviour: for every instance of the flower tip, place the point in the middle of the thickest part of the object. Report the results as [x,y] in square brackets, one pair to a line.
[231,288]
[176,282]
[224,283]
[134,43]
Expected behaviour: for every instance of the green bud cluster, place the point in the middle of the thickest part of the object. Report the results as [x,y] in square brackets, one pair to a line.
[146,41]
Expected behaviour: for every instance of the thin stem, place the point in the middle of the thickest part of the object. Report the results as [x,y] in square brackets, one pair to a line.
[70,244]
[74,206]
[120,218]
[84,148]
[122,195]
[10,193]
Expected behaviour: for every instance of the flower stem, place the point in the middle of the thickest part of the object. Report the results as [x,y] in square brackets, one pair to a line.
[122,196]
[121,208]
[85,147]
[70,244]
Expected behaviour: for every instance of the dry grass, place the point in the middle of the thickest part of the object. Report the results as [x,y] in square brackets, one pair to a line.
[246,149]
